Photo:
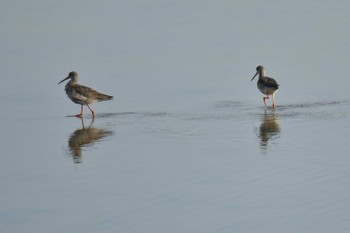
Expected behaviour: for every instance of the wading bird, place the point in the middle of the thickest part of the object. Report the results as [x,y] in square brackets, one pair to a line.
[266,85]
[81,94]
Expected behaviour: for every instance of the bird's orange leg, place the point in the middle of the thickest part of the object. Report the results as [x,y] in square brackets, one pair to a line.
[264,98]
[92,111]
[273,101]
[81,113]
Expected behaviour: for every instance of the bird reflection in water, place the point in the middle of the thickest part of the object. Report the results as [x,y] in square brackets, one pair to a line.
[83,138]
[269,129]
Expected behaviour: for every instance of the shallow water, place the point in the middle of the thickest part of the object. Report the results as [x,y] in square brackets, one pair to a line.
[187,145]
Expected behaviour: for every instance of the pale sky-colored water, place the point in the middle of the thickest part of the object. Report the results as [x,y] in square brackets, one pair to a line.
[187,145]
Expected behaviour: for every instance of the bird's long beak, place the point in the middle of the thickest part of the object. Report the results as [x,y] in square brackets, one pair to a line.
[64,79]
[254,76]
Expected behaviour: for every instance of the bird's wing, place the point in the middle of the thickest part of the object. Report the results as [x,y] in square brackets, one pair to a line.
[270,82]
[85,91]
[91,93]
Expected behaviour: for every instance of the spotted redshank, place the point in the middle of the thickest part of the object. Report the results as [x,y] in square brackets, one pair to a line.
[266,85]
[81,94]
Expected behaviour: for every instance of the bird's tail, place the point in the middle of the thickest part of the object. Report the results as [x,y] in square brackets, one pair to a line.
[104,97]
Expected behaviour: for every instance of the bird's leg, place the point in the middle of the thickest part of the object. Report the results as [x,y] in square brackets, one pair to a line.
[81,112]
[267,97]
[92,111]
[273,101]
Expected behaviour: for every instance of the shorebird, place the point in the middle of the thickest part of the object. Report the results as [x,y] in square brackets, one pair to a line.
[266,85]
[81,94]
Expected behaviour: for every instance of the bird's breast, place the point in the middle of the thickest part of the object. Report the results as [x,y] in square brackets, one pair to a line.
[266,89]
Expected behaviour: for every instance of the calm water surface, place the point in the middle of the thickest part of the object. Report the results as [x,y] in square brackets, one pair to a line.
[187,145]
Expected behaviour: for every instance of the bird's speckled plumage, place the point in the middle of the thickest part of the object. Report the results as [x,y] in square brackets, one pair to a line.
[82,95]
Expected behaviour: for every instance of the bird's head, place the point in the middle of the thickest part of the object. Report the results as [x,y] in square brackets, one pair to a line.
[73,76]
[259,70]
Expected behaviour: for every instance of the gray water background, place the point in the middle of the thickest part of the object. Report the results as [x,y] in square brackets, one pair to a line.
[187,145]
